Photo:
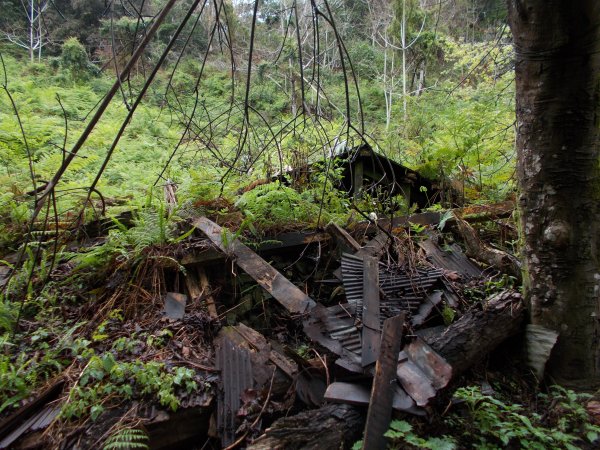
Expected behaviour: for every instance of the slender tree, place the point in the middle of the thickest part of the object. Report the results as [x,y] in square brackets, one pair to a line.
[557,46]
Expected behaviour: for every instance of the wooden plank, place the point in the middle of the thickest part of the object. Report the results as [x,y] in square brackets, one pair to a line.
[371,333]
[380,406]
[205,255]
[344,241]
[284,291]
[210,301]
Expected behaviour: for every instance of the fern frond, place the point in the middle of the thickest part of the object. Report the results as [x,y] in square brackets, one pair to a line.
[127,439]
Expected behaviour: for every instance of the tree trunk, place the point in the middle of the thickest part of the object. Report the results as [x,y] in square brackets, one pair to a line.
[479,332]
[557,69]
[332,426]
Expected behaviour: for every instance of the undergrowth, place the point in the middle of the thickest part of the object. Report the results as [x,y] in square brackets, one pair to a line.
[558,420]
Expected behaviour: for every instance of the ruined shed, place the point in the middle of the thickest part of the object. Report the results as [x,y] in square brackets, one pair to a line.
[363,170]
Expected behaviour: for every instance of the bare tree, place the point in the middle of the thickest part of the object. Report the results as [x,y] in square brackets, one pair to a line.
[33,38]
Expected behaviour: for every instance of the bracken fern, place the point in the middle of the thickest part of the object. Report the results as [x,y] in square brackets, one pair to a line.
[127,438]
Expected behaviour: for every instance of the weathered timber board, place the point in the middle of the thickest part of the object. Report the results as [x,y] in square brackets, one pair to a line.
[382,396]
[284,291]
[371,334]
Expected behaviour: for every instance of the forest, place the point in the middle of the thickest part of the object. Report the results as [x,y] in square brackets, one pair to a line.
[299,224]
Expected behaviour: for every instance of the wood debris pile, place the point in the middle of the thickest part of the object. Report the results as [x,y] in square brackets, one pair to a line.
[332,330]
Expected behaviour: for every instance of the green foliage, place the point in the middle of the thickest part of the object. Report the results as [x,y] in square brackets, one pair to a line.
[491,423]
[274,204]
[127,439]
[23,370]
[105,377]
[74,59]
[402,436]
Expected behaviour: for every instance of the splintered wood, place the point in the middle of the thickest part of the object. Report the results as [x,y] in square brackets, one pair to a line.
[380,406]
[283,290]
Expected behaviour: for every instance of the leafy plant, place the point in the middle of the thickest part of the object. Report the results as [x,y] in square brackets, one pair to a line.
[105,377]
[402,436]
[491,423]
[127,439]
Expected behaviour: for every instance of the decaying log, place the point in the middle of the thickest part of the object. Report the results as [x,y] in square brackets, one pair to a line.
[480,251]
[472,214]
[332,426]
[479,332]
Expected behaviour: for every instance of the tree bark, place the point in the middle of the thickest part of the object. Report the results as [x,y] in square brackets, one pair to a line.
[557,67]
[479,332]
[332,426]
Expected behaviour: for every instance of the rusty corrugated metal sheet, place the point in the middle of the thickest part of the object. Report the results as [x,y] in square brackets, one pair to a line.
[236,376]
[453,260]
[403,291]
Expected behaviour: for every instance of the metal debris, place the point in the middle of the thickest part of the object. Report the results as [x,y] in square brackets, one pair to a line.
[422,372]
[453,260]
[175,305]
[401,291]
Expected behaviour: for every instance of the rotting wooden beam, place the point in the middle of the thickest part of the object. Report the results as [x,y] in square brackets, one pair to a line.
[210,301]
[382,396]
[283,290]
[371,331]
[271,244]
[344,241]
[472,214]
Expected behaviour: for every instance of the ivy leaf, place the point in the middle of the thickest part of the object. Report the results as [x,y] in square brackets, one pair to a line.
[95,412]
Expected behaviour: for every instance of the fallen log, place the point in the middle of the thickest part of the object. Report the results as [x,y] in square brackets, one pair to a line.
[332,426]
[480,251]
[462,345]
[479,332]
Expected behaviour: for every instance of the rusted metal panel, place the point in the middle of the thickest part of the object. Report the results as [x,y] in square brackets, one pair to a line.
[422,372]
[454,260]
[380,405]
[360,395]
[33,416]
[371,334]
[285,292]
[350,393]
[334,328]
[402,291]
[236,376]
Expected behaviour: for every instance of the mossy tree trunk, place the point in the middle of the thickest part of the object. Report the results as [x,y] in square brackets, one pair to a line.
[557,45]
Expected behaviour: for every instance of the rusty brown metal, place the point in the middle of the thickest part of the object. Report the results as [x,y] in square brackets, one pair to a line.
[422,372]
[453,260]
[401,291]
[334,328]
[380,404]
[236,376]
[246,361]
[284,291]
